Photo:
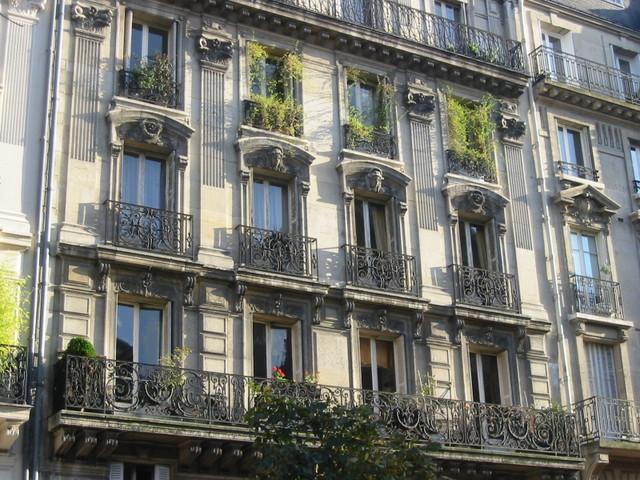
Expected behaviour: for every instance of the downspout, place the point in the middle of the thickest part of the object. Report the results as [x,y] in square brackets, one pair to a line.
[542,181]
[40,307]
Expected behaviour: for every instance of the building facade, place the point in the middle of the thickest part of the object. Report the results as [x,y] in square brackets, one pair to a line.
[433,204]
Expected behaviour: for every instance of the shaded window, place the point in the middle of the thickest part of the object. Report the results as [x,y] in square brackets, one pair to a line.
[571,149]
[602,370]
[270,201]
[485,378]
[585,255]
[371,225]
[377,364]
[272,348]
[139,333]
[143,180]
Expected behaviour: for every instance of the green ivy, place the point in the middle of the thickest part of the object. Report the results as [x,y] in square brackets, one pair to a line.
[13,300]
[384,103]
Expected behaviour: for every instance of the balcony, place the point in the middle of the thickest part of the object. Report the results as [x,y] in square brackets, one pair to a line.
[609,90]
[470,167]
[273,115]
[131,85]
[476,286]
[601,418]
[579,171]
[279,252]
[142,397]
[376,143]
[13,374]
[147,228]
[596,296]
[381,270]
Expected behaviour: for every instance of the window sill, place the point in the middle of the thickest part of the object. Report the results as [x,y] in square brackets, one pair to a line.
[252,132]
[569,181]
[454,178]
[128,103]
[610,321]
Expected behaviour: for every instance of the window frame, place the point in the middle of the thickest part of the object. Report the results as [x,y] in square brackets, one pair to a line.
[117,470]
[380,118]
[582,254]
[141,171]
[564,147]
[165,327]
[294,328]
[267,214]
[634,154]
[604,378]
[503,375]
[366,240]
[134,17]
[492,243]
[398,360]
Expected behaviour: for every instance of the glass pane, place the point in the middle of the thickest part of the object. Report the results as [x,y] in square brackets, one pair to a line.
[377,227]
[575,147]
[158,42]
[130,176]
[124,333]
[150,335]
[365,363]
[367,104]
[478,246]
[277,207]
[490,379]
[386,366]
[635,162]
[590,255]
[259,220]
[602,370]
[361,240]
[463,244]
[281,355]
[136,43]
[473,359]
[260,351]
[272,78]
[153,183]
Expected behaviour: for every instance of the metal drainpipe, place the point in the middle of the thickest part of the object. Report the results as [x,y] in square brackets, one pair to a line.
[549,240]
[40,307]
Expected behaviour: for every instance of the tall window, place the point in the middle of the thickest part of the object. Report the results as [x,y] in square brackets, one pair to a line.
[371,225]
[447,36]
[448,11]
[571,150]
[272,348]
[635,164]
[270,205]
[358,11]
[585,255]
[143,180]
[377,364]
[139,334]
[362,99]
[602,370]
[147,42]
[554,62]
[477,245]
[485,378]
[369,100]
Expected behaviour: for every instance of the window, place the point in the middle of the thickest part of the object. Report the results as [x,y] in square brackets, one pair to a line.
[273,347]
[129,471]
[585,255]
[369,99]
[371,225]
[270,205]
[602,370]
[143,180]
[362,102]
[554,60]
[571,142]
[358,11]
[628,83]
[635,164]
[490,378]
[448,11]
[139,333]
[377,364]
[447,37]
[477,245]
[147,42]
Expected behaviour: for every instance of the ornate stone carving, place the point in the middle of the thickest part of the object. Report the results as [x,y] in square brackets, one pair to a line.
[214,51]
[623,334]
[586,205]
[90,18]
[475,200]
[148,130]
[318,301]
[348,312]
[458,326]
[145,286]
[151,130]
[27,7]
[486,336]
[189,284]
[377,320]
[103,273]
[275,156]
[277,305]
[375,179]
[241,290]
[522,340]
[579,328]
[418,317]
[420,105]
[512,127]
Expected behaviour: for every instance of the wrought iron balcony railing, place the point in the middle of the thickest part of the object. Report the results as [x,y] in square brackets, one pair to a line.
[600,297]
[393,18]
[163,93]
[608,419]
[578,171]
[13,374]
[470,167]
[276,116]
[585,74]
[146,228]
[382,270]
[278,251]
[377,143]
[164,393]
[476,286]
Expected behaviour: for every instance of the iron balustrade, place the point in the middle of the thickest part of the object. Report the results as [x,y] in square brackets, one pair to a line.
[280,252]
[367,267]
[470,167]
[257,116]
[585,74]
[477,286]
[636,186]
[597,296]
[579,171]
[147,228]
[393,18]
[13,374]
[165,93]
[377,143]
[608,419]
[165,393]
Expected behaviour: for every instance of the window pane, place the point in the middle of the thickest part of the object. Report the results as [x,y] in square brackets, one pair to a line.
[491,379]
[136,43]
[260,350]
[602,370]
[150,335]
[360,228]
[386,366]
[575,148]
[153,183]
[277,205]
[158,41]
[365,363]
[259,220]
[635,162]
[281,355]
[478,246]
[377,227]
[130,176]
[124,333]
[475,385]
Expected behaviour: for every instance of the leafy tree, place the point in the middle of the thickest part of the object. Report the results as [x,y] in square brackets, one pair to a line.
[308,437]
[13,315]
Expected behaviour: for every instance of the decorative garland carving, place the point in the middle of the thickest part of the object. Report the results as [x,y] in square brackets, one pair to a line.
[144,286]
[103,273]
[486,336]
[584,205]
[90,18]
[276,306]
[214,51]
[189,284]
[318,301]
[458,326]
[241,290]
[512,127]
[418,317]
[348,312]
[420,105]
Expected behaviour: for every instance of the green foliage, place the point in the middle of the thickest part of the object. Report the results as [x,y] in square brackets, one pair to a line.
[314,438]
[80,346]
[427,385]
[153,80]
[173,376]
[13,299]
[274,109]
[471,129]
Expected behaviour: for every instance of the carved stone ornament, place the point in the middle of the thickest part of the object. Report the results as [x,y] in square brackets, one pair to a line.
[241,290]
[512,127]
[27,7]
[90,18]
[420,104]
[475,200]
[458,326]
[275,156]
[348,312]
[418,318]
[479,200]
[318,301]
[586,205]
[377,320]
[214,51]
[151,130]
[375,179]
[521,336]
[189,284]
[486,336]
[145,286]
[103,273]
[276,305]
